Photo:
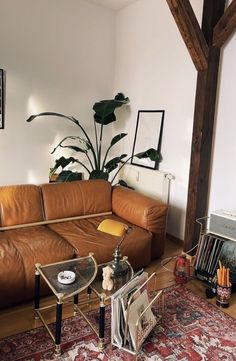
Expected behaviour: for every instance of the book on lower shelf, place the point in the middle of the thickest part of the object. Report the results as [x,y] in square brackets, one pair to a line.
[211,250]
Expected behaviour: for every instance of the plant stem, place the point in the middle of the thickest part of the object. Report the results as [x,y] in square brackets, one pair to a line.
[100,146]
[85,152]
[96,135]
[77,161]
[105,157]
[86,135]
[75,121]
[121,168]
[74,137]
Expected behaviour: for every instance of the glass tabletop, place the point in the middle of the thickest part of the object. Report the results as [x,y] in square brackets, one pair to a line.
[119,281]
[85,269]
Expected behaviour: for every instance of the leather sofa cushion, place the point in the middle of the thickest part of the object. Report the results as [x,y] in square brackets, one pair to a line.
[137,208]
[20,204]
[145,212]
[27,246]
[84,237]
[76,198]
[12,274]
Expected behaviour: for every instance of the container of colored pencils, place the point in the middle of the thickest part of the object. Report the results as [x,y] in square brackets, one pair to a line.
[223,289]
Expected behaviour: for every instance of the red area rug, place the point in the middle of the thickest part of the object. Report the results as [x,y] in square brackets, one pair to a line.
[192,330]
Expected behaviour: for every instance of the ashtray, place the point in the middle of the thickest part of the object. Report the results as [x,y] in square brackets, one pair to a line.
[66,277]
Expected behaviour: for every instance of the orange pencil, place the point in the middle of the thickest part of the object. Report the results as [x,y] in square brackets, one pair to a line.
[224,276]
[218,277]
[220,264]
[227,273]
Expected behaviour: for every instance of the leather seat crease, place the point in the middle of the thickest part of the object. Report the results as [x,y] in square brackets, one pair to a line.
[83,236]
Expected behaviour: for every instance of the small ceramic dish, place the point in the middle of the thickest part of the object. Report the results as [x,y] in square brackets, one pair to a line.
[66,277]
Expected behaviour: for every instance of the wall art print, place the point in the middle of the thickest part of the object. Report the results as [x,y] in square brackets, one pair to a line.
[148,133]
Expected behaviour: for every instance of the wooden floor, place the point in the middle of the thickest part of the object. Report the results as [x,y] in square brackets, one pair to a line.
[21,318]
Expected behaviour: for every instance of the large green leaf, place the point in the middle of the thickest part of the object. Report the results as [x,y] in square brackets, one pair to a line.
[150,153]
[123,183]
[105,120]
[104,110]
[114,162]
[121,97]
[68,176]
[117,138]
[76,149]
[72,147]
[63,162]
[98,174]
[32,117]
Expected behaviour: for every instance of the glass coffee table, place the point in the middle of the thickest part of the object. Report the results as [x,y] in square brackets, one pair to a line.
[104,296]
[84,269]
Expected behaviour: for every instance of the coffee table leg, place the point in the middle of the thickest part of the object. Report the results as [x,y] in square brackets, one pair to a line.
[36,292]
[101,344]
[58,329]
[89,291]
[76,302]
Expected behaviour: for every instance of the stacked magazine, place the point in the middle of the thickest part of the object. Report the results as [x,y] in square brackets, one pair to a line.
[132,316]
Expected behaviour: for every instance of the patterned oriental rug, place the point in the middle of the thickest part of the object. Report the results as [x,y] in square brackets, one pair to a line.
[192,330]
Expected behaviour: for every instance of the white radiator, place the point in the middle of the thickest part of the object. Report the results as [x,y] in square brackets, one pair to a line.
[151,182]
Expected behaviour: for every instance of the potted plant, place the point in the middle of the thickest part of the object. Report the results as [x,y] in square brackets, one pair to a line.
[98,165]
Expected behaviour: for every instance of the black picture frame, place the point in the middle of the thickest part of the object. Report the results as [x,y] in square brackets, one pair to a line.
[148,134]
[2,99]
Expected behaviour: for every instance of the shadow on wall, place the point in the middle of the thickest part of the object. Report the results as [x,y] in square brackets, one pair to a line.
[176,221]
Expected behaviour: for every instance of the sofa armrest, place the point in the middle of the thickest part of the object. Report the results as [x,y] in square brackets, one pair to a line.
[143,211]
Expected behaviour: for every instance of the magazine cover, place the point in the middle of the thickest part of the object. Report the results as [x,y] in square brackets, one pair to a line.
[118,307]
[141,319]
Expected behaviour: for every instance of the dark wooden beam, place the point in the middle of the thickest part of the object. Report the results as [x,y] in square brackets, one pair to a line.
[190,30]
[225,26]
[203,127]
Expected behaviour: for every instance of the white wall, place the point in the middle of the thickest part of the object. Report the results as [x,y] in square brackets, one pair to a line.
[223,180]
[59,56]
[155,70]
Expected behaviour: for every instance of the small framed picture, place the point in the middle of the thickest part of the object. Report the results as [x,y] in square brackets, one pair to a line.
[2,98]
[148,134]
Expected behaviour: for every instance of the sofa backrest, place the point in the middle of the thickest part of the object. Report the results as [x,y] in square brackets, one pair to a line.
[20,204]
[77,198]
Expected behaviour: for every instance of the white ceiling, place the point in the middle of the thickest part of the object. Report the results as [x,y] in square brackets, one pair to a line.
[112,4]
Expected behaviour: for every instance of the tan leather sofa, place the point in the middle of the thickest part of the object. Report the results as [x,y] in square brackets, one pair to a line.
[29,235]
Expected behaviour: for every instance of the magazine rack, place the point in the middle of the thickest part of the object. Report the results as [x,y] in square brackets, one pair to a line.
[141,316]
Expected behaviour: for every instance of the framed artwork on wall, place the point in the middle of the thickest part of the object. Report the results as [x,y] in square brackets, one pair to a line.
[148,134]
[2,98]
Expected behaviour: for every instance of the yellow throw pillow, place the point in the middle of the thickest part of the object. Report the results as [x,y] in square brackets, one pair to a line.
[112,227]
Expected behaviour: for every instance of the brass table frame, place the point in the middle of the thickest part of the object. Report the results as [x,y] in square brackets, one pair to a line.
[59,296]
[104,298]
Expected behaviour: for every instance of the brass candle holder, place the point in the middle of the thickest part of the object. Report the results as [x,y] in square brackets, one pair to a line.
[118,265]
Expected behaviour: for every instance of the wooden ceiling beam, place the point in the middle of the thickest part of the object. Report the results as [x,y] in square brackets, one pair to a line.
[225,26]
[191,32]
[203,127]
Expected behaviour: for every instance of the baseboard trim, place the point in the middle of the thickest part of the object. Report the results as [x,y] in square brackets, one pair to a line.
[175,240]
